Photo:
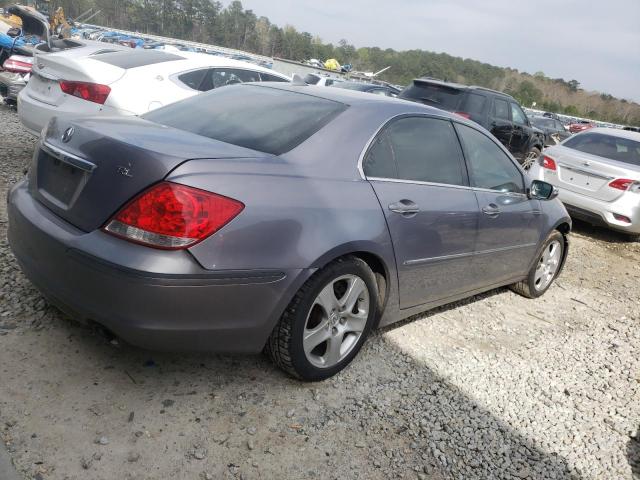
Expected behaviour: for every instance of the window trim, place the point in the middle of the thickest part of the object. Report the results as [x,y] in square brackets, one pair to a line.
[501,147]
[400,116]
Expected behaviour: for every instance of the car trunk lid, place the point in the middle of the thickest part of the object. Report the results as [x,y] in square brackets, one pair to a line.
[589,174]
[85,171]
[49,69]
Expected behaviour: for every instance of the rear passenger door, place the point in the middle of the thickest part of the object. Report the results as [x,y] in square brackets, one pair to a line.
[417,170]
[510,223]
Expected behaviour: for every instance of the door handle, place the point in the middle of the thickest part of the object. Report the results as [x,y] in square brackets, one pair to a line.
[404,207]
[491,210]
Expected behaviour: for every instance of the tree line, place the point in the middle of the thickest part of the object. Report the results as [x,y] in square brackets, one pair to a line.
[233,26]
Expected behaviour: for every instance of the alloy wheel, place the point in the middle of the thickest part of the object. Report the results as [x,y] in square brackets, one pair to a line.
[336,320]
[548,265]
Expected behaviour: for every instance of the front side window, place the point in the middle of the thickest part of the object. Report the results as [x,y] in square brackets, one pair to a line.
[489,166]
[501,109]
[222,77]
[417,149]
[518,115]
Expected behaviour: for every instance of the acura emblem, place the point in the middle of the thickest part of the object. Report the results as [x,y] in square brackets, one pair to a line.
[68,133]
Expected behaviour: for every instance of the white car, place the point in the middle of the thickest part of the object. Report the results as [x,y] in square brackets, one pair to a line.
[130,82]
[597,173]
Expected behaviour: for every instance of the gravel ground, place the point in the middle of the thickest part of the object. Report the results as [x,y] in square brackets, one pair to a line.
[494,387]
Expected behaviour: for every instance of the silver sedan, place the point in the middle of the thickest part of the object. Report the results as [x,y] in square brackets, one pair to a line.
[598,174]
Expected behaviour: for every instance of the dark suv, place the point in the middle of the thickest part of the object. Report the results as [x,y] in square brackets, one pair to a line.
[496,111]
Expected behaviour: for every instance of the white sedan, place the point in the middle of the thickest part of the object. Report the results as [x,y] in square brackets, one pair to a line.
[131,82]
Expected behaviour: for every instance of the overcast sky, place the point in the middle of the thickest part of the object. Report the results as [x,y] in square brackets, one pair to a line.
[594,42]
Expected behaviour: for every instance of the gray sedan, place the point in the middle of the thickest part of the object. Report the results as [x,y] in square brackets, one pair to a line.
[291,219]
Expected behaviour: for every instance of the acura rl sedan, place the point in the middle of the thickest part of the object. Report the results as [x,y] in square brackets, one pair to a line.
[286,218]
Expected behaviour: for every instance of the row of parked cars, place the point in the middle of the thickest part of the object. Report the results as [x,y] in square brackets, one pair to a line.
[185,205]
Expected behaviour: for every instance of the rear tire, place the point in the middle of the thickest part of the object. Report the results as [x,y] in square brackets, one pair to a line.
[545,270]
[328,320]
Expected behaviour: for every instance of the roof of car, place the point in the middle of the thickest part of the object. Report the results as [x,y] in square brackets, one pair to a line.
[614,132]
[459,86]
[181,61]
[359,98]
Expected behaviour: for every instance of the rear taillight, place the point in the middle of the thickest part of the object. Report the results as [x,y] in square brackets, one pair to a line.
[464,115]
[622,184]
[92,92]
[14,65]
[548,163]
[173,216]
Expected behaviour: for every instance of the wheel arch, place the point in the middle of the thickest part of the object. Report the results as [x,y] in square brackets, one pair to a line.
[380,262]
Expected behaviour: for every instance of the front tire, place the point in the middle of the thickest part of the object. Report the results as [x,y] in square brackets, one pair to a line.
[531,158]
[328,320]
[545,270]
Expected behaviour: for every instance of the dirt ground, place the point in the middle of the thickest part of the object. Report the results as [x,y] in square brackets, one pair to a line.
[497,386]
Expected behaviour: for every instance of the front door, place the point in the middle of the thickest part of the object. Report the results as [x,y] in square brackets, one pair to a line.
[510,223]
[522,132]
[500,124]
[416,168]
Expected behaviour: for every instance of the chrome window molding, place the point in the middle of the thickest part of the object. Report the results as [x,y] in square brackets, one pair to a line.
[454,121]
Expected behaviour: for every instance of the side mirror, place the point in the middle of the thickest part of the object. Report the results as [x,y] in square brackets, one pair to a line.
[540,190]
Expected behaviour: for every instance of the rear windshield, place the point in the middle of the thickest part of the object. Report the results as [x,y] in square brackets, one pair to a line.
[607,146]
[265,119]
[137,58]
[440,96]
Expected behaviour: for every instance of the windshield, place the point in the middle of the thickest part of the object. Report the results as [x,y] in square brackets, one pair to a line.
[543,122]
[261,118]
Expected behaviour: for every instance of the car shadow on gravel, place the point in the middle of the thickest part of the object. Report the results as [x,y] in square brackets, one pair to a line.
[633,454]
[453,435]
[601,233]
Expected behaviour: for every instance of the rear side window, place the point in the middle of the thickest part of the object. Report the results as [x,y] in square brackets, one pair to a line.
[607,146]
[489,166]
[137,58]
[193,79]
[237,115]
[474,104]
[418,149]
[440,96]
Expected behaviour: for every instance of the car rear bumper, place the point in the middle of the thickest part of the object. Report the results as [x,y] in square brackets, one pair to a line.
[161,300]
[10,85]
[599,212]
[35,114]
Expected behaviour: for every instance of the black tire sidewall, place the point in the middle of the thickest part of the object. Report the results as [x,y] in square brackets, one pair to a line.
[299,360]
[532,273]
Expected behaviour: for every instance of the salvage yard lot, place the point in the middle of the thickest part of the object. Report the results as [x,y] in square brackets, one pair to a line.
[497,386]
